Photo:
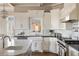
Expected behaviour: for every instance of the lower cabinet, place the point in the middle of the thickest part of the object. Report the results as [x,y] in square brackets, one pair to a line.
[53,47]
[72,51]
[21,42]
[39,44]
[36,44]
[1,43]
[46,44]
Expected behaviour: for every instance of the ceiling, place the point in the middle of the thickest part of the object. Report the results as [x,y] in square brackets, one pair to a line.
[23,7]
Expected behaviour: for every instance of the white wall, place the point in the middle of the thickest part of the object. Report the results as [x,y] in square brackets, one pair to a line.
[47,22]
[2,26]
[55,21]
[21,22]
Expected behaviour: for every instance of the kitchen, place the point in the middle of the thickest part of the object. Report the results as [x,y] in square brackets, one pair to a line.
[34,29]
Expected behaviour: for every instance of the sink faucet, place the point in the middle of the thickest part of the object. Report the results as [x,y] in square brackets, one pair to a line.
[4,39]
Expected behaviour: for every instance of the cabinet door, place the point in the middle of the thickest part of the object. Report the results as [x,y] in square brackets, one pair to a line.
[1,43]
[53,45]
[21,42]
[36,44]
[46,44]
[72,52]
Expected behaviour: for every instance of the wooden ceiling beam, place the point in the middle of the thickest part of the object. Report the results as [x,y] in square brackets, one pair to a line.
[43,6]
[11,4]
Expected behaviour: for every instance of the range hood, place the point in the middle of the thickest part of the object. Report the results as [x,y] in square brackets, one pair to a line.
[72,17]
[70,21]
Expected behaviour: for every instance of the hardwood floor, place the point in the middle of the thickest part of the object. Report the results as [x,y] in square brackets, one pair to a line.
[39,54]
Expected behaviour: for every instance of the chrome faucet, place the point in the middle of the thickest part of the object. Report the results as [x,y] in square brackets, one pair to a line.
[6,37]
[3,38]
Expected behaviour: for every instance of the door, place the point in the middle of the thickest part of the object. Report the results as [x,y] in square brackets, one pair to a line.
[53,45]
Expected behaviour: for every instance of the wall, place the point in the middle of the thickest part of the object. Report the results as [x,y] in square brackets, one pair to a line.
[2,26]
[55,21]
[47,22]
[21,22]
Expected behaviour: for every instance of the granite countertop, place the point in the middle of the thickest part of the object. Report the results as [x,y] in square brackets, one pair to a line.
[25,37]
[34,36]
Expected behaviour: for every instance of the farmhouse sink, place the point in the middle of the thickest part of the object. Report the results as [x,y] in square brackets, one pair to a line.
[14,48]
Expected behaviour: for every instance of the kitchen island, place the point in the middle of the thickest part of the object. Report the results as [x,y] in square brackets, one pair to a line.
[41,42]
[16,50]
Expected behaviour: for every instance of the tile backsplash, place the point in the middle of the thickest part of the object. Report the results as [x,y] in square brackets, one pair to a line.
[68,34]
[65,33]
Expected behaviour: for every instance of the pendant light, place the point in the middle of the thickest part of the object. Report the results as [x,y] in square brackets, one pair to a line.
[4,12]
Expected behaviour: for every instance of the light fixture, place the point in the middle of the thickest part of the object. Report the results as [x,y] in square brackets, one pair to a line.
[4,12]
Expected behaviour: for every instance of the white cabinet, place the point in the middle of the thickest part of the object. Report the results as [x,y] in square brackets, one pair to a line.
[36,44]
[21,42]
[1,43]
[72,51]
[53,45]
[24,44]
[46,44]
